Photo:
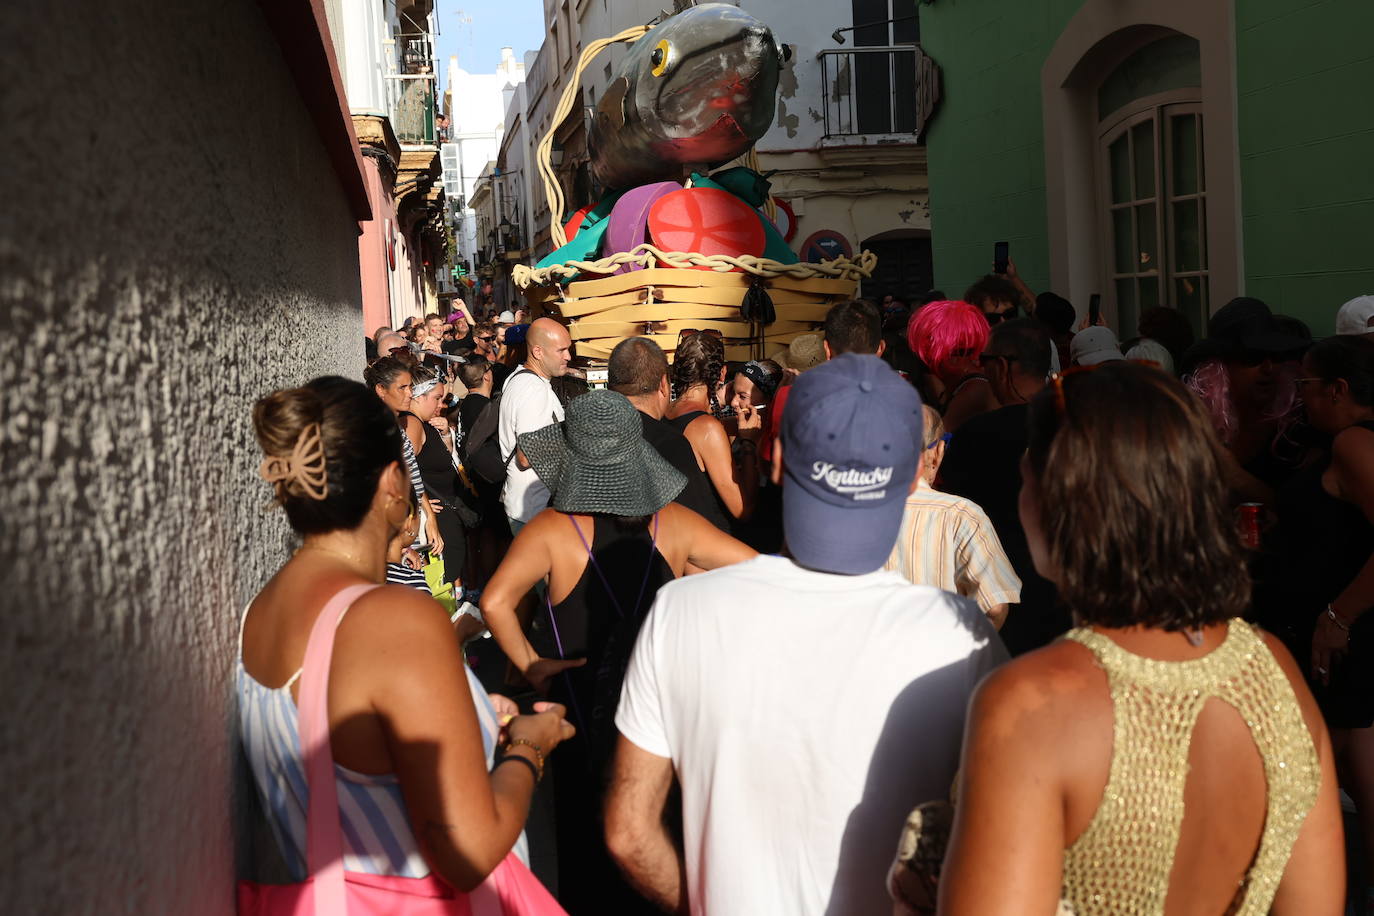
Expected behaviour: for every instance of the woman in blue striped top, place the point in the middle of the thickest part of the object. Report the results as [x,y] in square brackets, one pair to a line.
[413,736]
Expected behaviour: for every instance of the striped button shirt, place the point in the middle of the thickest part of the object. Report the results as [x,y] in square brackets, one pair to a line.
[948,542]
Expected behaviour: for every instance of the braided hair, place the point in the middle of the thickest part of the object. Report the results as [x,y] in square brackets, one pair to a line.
[699,361]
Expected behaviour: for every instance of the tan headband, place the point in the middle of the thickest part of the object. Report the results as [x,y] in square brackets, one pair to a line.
[304,467]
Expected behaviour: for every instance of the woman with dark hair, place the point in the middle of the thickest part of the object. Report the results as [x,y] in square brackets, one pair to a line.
[423,793]
[753,390]
[1165,756]
[698,384]
[1323,593]
[755,384]
[434,458]
[610,539]
[391,379]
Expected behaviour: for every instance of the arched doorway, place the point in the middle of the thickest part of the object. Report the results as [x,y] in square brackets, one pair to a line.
[905,268]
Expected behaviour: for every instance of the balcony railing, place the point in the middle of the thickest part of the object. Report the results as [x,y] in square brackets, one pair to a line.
[413,114]
[869,90]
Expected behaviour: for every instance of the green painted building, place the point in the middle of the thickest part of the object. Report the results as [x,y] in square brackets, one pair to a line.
[1176,152]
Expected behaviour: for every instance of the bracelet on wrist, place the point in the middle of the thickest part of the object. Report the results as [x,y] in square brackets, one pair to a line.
[538,752]
[1336,618]
[536,772]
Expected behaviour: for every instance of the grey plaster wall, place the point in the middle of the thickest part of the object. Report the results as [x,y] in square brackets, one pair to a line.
[173,243]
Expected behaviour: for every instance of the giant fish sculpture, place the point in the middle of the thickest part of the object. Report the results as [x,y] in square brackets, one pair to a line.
[696,90]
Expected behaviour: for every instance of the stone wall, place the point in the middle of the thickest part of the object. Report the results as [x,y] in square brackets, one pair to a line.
[173,244]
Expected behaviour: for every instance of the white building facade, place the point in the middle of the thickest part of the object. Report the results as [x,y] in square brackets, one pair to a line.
[476,106]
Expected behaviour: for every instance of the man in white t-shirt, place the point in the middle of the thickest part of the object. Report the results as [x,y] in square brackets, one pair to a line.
[806,703]
[527,404]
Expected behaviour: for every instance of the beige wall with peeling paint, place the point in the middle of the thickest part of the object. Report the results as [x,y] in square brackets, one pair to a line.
[173,244]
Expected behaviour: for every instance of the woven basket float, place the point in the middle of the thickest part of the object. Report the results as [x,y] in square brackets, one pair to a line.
[698,292]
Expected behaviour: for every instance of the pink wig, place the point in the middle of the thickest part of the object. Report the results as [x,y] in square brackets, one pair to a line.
[941,330]
[1212,384]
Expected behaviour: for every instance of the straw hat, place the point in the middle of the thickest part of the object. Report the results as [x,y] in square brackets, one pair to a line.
[597,461]
[804,352]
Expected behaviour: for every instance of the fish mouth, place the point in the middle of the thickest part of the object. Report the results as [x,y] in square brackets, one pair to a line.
[719,142]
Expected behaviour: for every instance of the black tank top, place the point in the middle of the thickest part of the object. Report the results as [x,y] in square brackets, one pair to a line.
[721,517]
[436,467]
[684,421]
[1323,542]
[600,618]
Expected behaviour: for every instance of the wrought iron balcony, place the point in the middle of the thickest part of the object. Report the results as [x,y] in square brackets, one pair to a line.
[869,90]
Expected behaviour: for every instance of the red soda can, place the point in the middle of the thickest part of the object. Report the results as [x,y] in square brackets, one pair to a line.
[1249,522]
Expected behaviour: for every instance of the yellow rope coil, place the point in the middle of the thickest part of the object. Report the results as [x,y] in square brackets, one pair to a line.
[553,191]
[648,256]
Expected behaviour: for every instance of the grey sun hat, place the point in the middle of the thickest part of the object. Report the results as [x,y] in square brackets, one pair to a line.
[597,462]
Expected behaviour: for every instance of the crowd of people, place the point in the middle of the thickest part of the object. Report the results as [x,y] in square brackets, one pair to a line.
[965,606]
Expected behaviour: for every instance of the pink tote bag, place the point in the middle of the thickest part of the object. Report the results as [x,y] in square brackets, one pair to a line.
[510,890]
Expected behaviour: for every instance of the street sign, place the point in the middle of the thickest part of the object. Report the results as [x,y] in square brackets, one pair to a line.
[825,245]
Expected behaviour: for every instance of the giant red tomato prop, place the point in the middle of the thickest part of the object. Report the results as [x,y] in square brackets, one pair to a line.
[706,220]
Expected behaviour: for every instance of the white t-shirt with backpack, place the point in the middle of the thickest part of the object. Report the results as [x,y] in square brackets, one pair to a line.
[527,404]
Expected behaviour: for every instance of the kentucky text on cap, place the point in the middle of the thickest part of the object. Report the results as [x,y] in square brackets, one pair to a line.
[851,442]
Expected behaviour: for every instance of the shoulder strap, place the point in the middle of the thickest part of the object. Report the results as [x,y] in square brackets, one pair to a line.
[324,837]
[507,459]
[496,395]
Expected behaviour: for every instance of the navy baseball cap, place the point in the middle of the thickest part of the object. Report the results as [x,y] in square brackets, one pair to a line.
[851,442]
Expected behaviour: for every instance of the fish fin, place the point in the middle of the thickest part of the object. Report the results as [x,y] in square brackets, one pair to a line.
[612,104]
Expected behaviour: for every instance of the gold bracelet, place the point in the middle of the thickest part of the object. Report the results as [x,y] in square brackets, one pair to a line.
[538,752]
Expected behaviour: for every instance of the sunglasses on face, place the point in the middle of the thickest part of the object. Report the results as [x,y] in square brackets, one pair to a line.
[944,438]
[488,338]
[995,317]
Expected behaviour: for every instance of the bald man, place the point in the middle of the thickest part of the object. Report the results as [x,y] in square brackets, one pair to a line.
[388,342]
[527,404]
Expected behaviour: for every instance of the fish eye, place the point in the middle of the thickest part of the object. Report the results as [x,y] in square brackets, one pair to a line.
[662,53]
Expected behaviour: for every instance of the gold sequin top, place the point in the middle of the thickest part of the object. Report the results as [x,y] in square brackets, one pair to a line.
[1121,863]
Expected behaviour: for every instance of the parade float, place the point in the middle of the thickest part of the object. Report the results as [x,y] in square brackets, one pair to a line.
[681,240]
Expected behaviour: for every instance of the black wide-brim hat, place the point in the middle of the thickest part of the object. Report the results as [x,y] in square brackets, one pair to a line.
[1243,325]
[597,462]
